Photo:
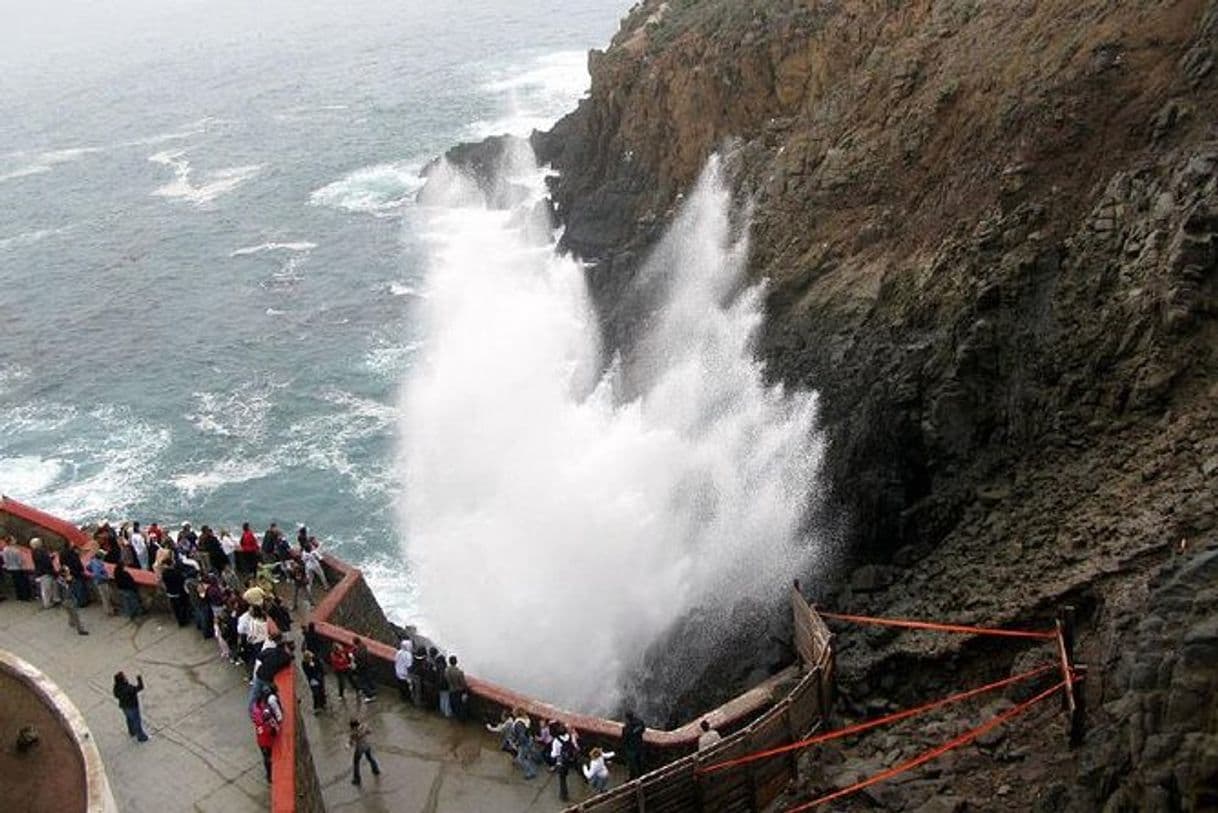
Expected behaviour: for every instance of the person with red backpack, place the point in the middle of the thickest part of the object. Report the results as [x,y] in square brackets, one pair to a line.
[266,715]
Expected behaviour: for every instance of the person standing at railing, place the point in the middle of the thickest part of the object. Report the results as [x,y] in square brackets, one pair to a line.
[139,546]
[632,744]
[522,740]
[14,563]
[310,554]
[340,665]
[247,555]
[68,591]
[361,669]
[128,591]
[70,559]
[96,570]
[597,771]
[566,756]
[708,737]
[458,689]
[403,661]
[316,676]
[418,669]
[44,573]
[266,717]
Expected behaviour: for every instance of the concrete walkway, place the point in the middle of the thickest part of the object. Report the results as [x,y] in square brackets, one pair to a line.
[200,755]
[428,764]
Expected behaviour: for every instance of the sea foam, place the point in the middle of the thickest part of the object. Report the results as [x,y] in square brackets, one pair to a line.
[563,510]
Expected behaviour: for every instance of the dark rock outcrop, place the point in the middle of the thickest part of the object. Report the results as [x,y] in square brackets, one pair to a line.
[990,232]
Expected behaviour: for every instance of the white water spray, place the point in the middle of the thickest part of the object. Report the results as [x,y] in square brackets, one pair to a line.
[556,530]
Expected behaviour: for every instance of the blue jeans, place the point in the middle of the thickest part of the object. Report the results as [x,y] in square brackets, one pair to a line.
[135,727]
[131,603]
[599,782]
[365,751]
[446,704]
[524,758]
[80,589]
[256,688]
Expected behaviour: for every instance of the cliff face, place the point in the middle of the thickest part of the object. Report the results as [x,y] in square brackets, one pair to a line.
[991,235]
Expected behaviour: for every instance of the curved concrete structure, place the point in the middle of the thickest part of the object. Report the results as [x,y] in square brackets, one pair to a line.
[72,787]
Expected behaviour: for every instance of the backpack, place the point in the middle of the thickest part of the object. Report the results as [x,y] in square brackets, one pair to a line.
[570,751]
[263,719]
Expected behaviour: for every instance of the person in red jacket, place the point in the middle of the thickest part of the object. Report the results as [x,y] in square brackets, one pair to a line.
[266,715]
[342,660]
[247,555]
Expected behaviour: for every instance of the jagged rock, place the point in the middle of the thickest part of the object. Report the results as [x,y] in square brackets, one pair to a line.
[1047,328]
[871,578]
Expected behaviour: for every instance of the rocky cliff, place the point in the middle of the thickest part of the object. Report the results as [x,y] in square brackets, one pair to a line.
[990,231]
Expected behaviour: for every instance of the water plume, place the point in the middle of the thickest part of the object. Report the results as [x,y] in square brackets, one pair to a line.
[559,522]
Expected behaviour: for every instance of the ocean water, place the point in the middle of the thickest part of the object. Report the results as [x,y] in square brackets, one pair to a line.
[211,259]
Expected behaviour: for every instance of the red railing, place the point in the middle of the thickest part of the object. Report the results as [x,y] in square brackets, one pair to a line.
[283,752]
[730,715]
[668,744]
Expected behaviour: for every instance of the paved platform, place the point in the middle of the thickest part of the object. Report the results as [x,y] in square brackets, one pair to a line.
[201,754]
[428,764]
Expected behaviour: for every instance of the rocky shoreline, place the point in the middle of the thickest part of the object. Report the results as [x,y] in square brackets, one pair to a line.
[990,233]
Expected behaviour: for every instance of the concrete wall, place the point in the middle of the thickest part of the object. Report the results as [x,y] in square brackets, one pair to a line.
[64,771]
[350,609]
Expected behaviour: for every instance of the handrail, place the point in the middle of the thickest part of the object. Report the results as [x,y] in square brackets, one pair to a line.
[683,787]
[732,713]
[283,751]
[813,642]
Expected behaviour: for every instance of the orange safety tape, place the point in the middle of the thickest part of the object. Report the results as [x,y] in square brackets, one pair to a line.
[867,725]
[933,753]
[959,629]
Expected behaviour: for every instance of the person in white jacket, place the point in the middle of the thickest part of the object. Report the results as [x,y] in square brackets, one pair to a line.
[596,771]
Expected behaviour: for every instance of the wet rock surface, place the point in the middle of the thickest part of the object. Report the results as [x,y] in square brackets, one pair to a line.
[990,234]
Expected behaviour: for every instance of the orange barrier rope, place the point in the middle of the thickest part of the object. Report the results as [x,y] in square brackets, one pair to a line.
[867,725]
[930,625]
[933,753]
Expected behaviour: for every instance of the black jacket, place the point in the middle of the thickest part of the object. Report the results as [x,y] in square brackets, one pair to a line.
[43,566]
[71,560]
[123,580]
[272,661]
[632,736]
[174,581]
[314,672]
[128,695]
[215,552]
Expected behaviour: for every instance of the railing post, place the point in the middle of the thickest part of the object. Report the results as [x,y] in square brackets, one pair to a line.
[1078,719]
[1073,700]
[792,736]
[752,775]
[699,801]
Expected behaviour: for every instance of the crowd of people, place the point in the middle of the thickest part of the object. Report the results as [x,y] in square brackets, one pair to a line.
[229,588]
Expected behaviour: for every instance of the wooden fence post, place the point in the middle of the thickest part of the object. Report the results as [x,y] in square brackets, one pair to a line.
[793,736]
[699,802]
[1073,699]
[752,772]
[1078,719]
